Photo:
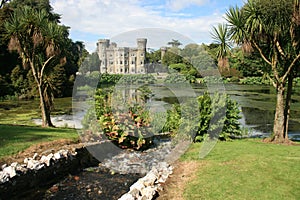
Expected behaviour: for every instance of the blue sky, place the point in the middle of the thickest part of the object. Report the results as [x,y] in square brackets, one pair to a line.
[91,20]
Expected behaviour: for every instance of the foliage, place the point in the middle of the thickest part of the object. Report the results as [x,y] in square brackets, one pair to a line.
[137,79]
[72,51]
[207,121]
[154,56]
[210,108]
[110,78]
[37,40]
[271,28]
[255,81]
[176,78]
[173,119]
[174,43]
[171,57]
[91,63]
[128,127]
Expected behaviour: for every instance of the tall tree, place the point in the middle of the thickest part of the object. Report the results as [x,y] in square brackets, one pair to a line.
[221,37]
[174,43]
[272,28]
[37,39]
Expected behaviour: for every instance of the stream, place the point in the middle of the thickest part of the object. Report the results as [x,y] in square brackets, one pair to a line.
[257,104]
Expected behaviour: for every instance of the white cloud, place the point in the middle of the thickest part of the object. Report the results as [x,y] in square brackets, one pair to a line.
[107,18]
[177,5]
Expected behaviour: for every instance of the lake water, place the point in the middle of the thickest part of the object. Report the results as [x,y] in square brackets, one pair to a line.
[256,102]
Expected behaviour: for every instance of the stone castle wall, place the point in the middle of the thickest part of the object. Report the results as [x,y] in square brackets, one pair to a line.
[122,60]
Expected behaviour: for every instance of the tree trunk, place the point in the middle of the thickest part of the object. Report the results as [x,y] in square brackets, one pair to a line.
[46,118]
[279,121]
[288,106]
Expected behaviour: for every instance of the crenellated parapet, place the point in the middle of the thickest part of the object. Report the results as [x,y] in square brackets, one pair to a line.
[122,60]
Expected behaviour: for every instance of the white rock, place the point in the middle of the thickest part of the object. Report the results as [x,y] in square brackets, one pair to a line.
[134,193]
[46,160]
[14,164]
[149,179]
[35,156]
[4,177]
[34,164]
[11,171]
[26,160]
[139,185]
[3,166]
[163,178]
[148,192]
[57,156]
[127,197]
[64,153]
[51,155]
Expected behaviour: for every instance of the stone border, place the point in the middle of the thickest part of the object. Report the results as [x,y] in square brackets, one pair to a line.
[40,171]
[146,188]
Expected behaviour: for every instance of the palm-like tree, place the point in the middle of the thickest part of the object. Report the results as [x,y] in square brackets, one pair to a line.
[221,37]
[37,40]
[272,28]
[174,43]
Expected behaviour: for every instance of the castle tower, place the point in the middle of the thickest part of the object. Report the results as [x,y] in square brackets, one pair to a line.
[102,45]
[163,51]
[141,55]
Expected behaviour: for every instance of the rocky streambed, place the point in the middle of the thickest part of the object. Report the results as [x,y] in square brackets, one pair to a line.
[78,175]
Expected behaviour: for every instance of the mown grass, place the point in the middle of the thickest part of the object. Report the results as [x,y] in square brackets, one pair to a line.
[245,169]
[21,112]
[14,138]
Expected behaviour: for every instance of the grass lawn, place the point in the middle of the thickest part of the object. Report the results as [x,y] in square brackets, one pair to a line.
[245,169]
[14,139]
[21,112]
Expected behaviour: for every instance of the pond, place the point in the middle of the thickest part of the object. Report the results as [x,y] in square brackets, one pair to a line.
[256,103]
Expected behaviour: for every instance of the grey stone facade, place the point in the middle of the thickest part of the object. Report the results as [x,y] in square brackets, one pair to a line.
[122,60]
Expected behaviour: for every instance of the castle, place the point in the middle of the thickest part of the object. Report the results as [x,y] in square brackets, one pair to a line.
[122,60]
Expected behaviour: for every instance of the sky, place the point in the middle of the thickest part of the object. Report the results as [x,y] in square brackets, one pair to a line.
[189,21]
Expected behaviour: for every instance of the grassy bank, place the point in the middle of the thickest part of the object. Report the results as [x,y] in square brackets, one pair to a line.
[14,139]
[245,169]
[21,112]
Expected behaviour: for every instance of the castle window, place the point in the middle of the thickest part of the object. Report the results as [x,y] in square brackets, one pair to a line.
[121,62]
[132,54]
[142,54]
[141,62]
[111,62]
[132,62]
[121,54]
[125,62]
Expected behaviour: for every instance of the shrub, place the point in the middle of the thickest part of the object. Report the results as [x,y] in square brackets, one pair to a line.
[208,119]
[127,128]
[212,107]
[176,78]
[255,81]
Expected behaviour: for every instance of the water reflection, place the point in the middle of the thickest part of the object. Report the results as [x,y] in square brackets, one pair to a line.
[257,104]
